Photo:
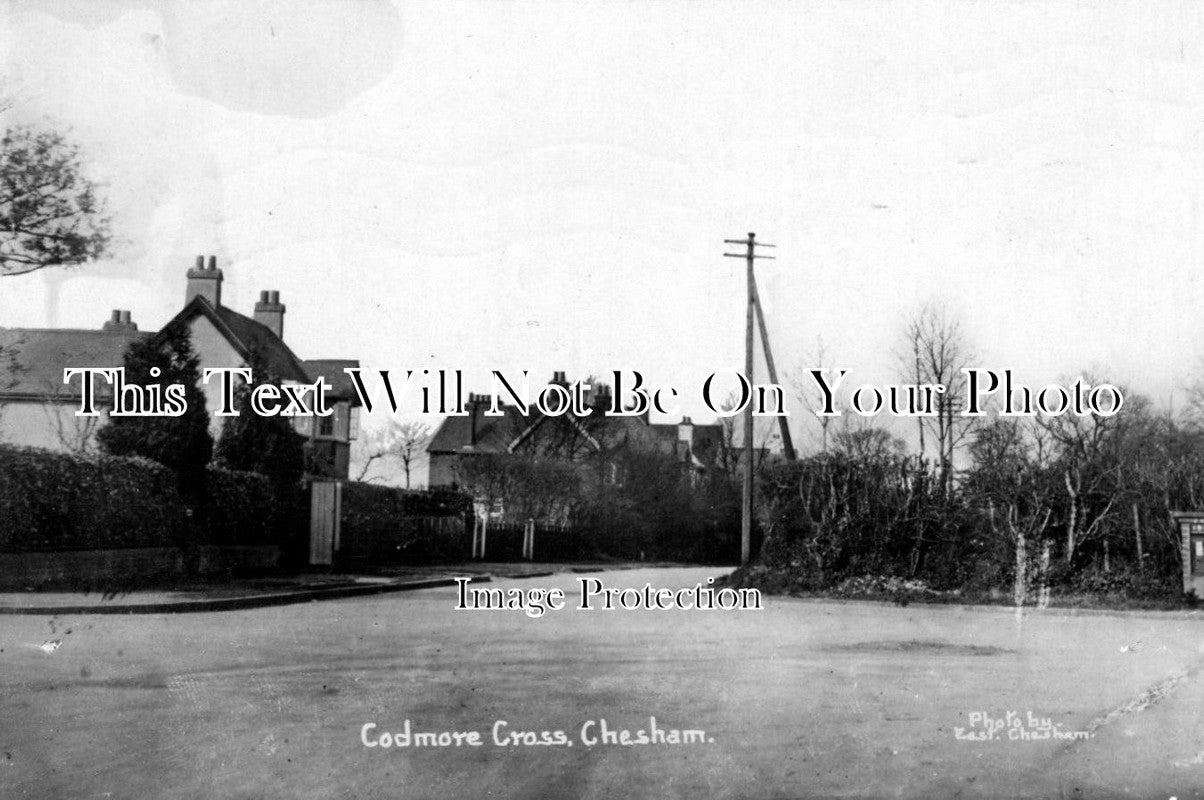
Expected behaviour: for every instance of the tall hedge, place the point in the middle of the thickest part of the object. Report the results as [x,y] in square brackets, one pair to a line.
[59,501]
[242,509]
[382,522]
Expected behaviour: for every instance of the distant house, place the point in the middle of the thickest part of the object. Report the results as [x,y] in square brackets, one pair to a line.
[697,447]
[37,409]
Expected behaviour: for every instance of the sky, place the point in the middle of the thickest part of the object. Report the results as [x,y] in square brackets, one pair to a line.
[547,186]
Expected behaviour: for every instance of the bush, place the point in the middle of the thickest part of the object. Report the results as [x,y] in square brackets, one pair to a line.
[182,443]
[381,522]
[251,442]
[1126,583]
[833,516]
[658,511]
[59,501]
[241,509]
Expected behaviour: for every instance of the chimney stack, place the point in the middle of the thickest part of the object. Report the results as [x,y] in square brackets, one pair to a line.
[474,401]
[269,312]
[205,281]
[601,398]
[120,321]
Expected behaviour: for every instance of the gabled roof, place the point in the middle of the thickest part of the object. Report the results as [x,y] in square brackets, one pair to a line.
[247,336]
[43,353]
[492,434]
[541,418]
[331,369]
[507,433]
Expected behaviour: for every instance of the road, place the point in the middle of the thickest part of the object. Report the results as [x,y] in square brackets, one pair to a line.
[801,699]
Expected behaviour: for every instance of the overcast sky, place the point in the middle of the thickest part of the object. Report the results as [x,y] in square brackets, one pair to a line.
[547,185]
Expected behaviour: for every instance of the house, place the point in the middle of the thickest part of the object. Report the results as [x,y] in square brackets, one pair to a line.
[37,409]
[698,447]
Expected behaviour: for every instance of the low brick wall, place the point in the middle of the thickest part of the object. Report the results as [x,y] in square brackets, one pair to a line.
[129,567]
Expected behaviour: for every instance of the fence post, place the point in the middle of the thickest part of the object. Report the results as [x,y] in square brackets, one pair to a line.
[529,540]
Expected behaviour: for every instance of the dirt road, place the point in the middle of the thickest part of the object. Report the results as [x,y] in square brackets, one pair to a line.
[801,699]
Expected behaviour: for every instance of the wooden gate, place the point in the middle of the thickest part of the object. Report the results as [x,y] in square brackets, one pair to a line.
[325,516]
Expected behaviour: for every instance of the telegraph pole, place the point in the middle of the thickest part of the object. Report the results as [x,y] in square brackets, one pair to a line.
[750,255]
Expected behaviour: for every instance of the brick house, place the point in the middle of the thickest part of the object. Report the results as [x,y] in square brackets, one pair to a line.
[37,409]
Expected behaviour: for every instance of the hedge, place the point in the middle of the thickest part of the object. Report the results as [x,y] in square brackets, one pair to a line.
[382,522]
[242,509]
[59,501]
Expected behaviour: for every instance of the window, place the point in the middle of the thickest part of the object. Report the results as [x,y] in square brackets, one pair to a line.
[353,425]
[303,425]
[326,426]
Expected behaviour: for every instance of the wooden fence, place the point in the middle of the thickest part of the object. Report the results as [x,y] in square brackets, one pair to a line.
[495,540]
[416,540]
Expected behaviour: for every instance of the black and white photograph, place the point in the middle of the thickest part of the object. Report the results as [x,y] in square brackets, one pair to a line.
[603,399]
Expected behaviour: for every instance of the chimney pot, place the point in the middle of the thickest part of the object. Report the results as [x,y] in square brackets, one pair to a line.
[119,320]
[205,281]
[269,312]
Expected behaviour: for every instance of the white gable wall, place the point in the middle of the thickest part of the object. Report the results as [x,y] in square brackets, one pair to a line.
[214,352]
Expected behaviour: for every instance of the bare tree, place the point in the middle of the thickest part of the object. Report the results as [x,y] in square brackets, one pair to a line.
[50,213]
[1012,477]
[74,434]
[411,441]
[936,352]
[404,441]
[520,487]
[1193,411]
[809,393]
[1092,461]
[765,438]
[865,442]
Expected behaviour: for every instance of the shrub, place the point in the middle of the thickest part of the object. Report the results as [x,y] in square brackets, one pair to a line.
[59,501]
[182,443]
[382,522]
[251,442]
[241,509]
[1126,582]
